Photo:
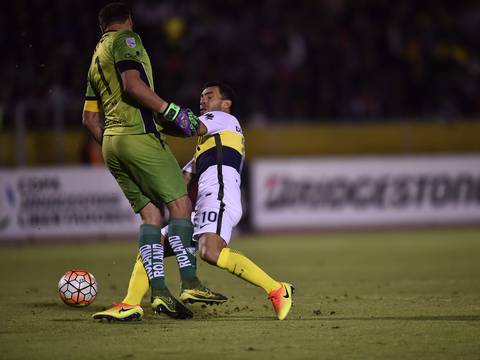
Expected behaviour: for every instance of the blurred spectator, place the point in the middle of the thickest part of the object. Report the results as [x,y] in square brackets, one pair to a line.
[289,61]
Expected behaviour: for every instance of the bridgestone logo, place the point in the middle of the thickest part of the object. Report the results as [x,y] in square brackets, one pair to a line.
[389,191]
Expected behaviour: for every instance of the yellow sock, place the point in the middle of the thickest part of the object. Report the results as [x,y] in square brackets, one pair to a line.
[238,264]
[138,285]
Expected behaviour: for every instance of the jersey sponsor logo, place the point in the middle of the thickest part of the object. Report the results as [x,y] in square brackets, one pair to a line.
[130,41]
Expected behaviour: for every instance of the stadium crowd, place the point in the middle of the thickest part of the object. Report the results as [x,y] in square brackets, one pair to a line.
[289,61]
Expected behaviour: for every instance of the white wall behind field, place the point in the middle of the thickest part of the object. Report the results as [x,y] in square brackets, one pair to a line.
[285,194]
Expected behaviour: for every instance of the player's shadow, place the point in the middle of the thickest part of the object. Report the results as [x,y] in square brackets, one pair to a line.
[405,318]
[232,317]
[60,305]
[240,317]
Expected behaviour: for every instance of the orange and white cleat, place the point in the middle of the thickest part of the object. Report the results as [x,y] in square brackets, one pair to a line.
[282,299]
[120,312]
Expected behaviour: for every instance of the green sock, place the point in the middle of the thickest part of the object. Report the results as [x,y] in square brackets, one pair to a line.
[151,252]
[180,233]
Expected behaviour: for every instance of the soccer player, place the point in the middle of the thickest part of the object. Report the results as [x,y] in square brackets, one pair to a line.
[217,164]
[120,86]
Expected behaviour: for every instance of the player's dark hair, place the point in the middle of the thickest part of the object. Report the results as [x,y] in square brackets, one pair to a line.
[112,13]
[225,90]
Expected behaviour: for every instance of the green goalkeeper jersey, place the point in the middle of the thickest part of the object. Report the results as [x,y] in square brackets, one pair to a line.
[118,51]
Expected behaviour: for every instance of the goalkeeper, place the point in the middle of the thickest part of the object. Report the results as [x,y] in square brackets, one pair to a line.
[120,87]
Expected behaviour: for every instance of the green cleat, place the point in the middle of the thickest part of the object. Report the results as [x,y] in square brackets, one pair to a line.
[120,312]
[202,295]
[170,306]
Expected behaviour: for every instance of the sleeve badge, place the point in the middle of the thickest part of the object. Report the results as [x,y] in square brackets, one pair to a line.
[131,42]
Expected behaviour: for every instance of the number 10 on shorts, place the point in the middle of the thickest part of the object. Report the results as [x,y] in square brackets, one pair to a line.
[208,216]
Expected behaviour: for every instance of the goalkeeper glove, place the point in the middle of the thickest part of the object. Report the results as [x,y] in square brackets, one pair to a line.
[183,119]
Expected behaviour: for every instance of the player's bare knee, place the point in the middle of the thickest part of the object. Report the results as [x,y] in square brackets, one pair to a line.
[180,208]
[151,214]
[204,254]
[209,248]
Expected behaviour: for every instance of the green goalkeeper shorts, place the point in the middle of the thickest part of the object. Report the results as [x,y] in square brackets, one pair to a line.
[145,169]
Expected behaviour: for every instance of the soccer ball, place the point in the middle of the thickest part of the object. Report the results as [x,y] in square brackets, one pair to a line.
[77,288]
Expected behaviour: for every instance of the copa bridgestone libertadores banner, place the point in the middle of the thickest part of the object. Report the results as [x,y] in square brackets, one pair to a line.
[301,193]
[62,202]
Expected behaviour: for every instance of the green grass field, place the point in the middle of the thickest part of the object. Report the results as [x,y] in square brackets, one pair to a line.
[412,294]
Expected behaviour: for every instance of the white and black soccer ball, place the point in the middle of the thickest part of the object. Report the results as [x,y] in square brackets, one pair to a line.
[77,288]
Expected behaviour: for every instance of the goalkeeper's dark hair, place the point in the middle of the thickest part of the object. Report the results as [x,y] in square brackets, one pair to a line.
[113,13]
[226,91]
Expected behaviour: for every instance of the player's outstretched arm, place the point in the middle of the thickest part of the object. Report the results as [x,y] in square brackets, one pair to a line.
[184,120]
[136,88]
